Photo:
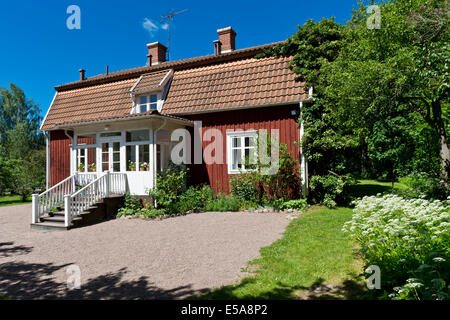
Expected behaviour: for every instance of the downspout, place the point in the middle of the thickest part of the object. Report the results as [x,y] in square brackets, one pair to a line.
[47,160]
[71,151]
[155,150]
[303,162]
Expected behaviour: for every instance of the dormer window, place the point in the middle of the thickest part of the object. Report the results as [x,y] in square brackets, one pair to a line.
[147,103]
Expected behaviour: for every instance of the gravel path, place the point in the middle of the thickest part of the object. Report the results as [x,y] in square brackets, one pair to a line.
[131,258]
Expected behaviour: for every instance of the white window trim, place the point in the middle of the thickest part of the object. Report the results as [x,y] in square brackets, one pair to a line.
[241,134]
[137,104]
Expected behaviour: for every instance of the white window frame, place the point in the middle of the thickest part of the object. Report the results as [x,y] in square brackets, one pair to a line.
[138,145]
[148,105]
[242,135]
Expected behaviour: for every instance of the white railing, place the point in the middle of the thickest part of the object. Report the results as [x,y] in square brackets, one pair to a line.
[77,193]
[54,197]
[83,199]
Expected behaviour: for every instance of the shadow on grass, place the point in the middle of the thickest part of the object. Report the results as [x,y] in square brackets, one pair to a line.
[361,190]
[350,289]
[24,280]
[12,202]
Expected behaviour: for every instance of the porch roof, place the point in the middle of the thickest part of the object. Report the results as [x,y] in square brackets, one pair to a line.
[153,114]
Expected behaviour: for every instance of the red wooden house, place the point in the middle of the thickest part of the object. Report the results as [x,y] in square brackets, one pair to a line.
[113,132]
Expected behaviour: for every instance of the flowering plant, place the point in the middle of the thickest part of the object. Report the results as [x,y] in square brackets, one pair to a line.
[409,239]
[143,165]
[81,167]
[131,165]
[92,167]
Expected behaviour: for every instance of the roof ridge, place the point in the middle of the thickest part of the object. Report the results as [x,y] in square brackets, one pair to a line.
[132,72]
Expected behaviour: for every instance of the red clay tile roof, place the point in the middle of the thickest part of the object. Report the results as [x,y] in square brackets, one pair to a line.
[92,103]
[150,81]
[245,82]
[202,84]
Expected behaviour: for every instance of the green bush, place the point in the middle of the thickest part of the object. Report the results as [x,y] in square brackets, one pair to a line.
[132,205]
[194,199]
[170,186]
[298,204]
[224,203]
[330,190]
[409,240]
[244,186]
[423,185]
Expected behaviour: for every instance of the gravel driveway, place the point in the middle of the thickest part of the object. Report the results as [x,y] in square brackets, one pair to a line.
[131,258]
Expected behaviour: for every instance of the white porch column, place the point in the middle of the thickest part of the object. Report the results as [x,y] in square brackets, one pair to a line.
[35,208]
[152,156]
[303,163]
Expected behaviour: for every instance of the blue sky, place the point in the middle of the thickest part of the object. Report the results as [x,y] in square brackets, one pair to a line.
[39,52]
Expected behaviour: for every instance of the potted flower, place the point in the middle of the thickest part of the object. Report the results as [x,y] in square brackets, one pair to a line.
[143,166]
[132,165]
[81,167]
[92,167]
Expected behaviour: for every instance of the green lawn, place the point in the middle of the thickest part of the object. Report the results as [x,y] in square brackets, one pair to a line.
[372,187]
[312,251]
[12,200]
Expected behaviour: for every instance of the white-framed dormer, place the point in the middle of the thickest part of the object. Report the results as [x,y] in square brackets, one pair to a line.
[150,98]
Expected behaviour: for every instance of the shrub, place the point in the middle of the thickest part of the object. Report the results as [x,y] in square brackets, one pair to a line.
[195,199]
[132,205]
[298,204]
[224,203]
[170,186]
[330,190]
[409,239]
[244,186]
[423,185]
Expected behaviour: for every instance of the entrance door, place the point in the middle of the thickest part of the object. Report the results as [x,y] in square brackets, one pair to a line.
[111,156]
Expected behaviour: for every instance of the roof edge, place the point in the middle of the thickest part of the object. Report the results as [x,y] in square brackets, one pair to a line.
[177,64]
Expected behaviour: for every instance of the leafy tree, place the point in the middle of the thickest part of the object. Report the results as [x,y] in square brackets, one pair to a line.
[402,64]
[19,124]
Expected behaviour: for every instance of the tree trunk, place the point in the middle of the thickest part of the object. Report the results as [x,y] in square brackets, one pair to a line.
[444,152]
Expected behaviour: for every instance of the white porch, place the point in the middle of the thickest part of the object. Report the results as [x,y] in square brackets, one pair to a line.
[107,159]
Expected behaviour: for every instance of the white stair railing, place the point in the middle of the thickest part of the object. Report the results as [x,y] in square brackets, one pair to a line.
[54,197]
[92,193]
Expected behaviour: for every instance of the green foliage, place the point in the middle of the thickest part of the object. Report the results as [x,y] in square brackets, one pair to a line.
[423,185]
[244,186]
[19,124]
[171,184]
[224,203]
[194,199]
[330,190]
[133,207]
[297,204]
[409,239]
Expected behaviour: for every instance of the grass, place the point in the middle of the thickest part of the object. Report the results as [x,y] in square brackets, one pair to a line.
[313,251]
[12,200]
[372,187]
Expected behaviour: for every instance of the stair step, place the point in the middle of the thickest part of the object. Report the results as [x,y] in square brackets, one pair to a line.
[49,226]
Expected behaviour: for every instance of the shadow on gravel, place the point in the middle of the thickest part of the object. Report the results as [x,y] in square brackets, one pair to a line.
[7,249]
[23,280]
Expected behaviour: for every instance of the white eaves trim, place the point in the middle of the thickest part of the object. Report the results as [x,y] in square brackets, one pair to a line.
[45,118]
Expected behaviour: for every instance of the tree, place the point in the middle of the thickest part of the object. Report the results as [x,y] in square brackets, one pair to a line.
[19,124]
[404,63]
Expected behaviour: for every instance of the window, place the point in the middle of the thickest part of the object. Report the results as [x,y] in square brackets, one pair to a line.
[146,103]
[135,136]
[110,134]
[138,157]
[86,160]
[241,151]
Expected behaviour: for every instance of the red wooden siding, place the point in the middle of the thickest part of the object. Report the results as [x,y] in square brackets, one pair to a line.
[258,118]
[59,156]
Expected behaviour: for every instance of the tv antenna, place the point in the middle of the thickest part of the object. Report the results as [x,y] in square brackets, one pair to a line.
[169,18]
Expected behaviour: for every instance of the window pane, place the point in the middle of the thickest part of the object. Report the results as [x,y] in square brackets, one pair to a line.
[153,106]
[91,152]
[236,142]
[143,108]
[105,156]
[249,141]
[116,166]
[131,157]
[110,134]
[142,135]
[153,98]
[143,99]
[144,156]
[236,159]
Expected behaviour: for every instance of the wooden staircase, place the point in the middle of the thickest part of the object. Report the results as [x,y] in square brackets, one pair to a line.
[66,205]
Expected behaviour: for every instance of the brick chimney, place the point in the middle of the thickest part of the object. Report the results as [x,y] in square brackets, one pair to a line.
[227,38]
[157,51]
[82,74]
